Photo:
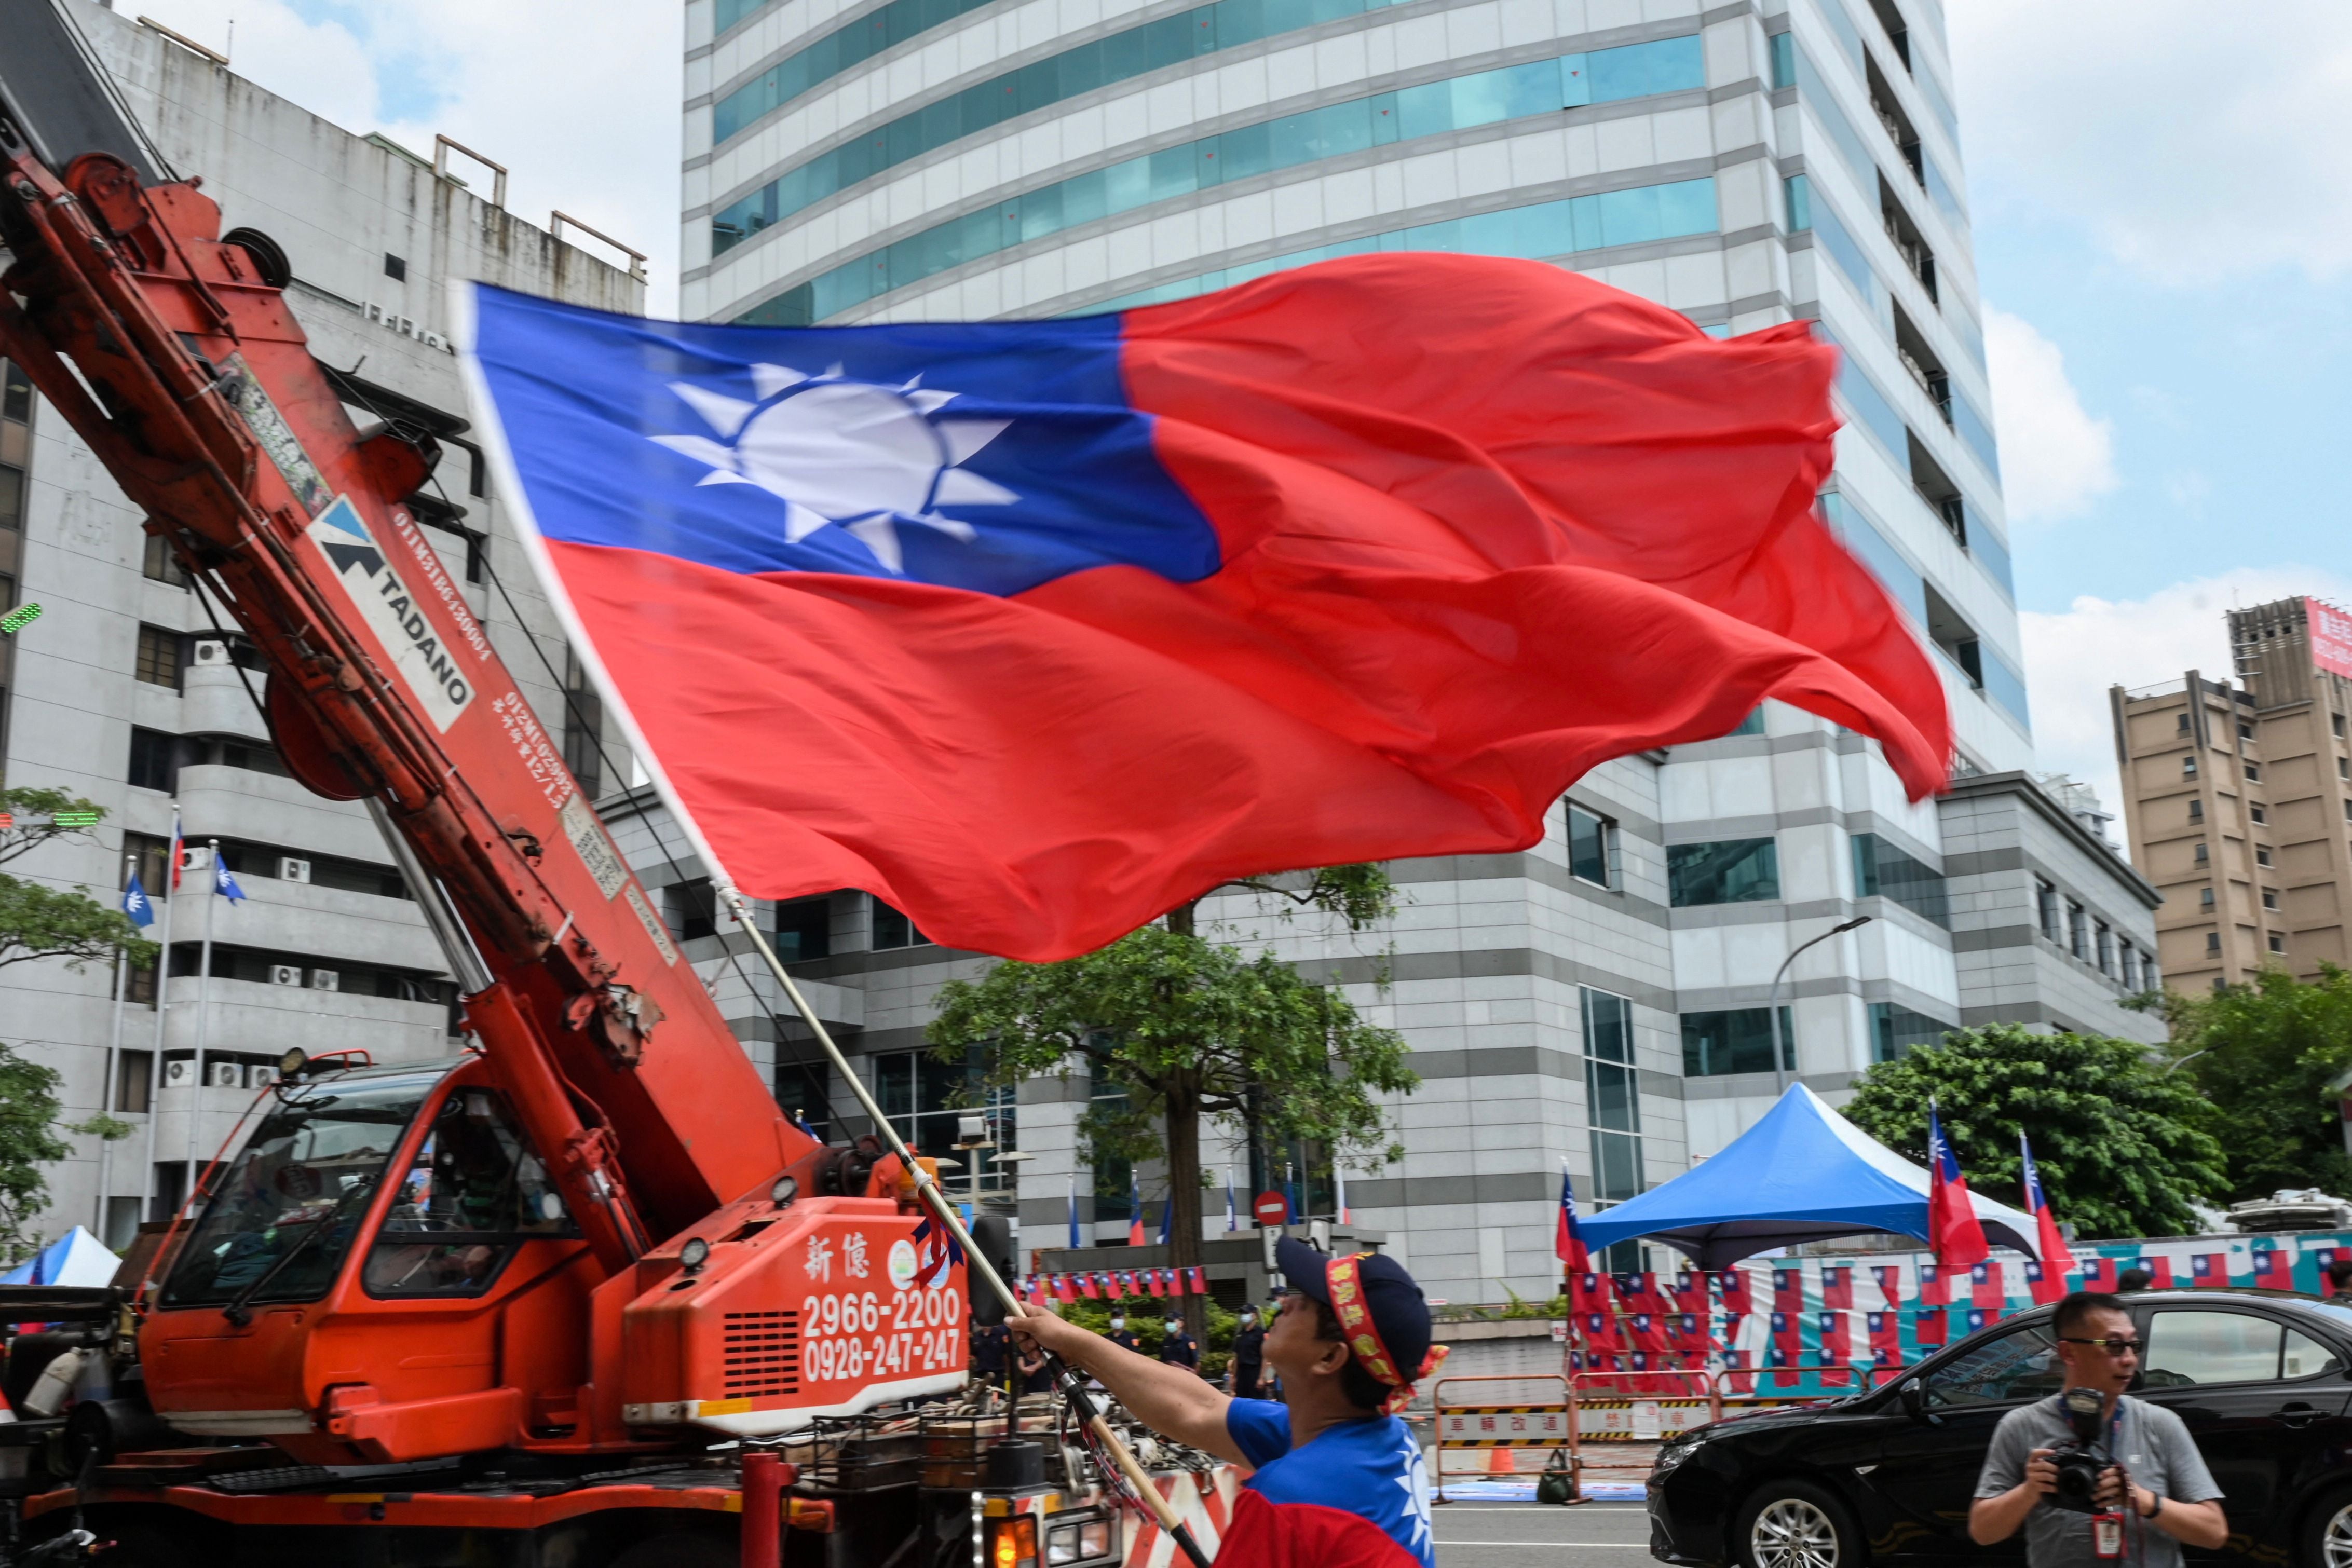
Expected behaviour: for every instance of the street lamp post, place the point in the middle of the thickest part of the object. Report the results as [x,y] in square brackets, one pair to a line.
[1772,1008]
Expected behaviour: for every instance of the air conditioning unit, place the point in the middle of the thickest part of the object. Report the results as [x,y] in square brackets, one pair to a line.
[210,653]
[180,1074]
[293,868]
[326,979]
[260,1077]
[285,974]
[223,1075]
[196,857]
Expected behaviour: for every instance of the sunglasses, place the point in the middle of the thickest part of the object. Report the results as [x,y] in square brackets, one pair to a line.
[2112,1346]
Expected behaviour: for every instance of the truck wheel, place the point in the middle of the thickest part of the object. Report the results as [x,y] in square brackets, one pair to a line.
[2328,1532]
[1796,1525]
[678,1549]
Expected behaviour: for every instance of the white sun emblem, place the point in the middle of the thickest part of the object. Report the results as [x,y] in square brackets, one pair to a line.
[1415,1482]
[836,452]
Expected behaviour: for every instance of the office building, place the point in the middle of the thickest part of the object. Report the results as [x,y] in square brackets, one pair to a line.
[1606,997]
[2238,798]
[126,692]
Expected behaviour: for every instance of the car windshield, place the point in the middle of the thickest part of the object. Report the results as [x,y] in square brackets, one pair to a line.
[293,1199]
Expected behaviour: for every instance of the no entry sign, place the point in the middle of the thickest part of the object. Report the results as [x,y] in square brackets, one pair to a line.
[1269,1208]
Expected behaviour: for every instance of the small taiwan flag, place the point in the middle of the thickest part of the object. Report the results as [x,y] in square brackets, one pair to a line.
[1588,1292]
[1090,1287]
[1986,1286]
[1837,1289]
[2208,1270]
[1837,1337]
[2047,1284]
[1890,1283]
[1788,1333]
[1690,1292]
[1648,1332]
[2159,1272]
[1567,1242]
[2099,1274]
[1684,1333]
[1199,1279]
[1787,1290]
[2273,1270]
[1064,1288]
[1935,1286]
[1600,1330]
[1737,1296]
[1982,1317]
[1885,1337]
[1931,1327]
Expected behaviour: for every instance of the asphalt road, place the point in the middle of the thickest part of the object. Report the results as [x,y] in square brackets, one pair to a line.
[1526,1534]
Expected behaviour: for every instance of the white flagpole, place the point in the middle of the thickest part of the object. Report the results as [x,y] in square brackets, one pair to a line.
[106,1090]
[162,983]
[203,1012]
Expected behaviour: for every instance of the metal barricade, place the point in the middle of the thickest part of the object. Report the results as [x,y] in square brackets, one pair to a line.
[1616,1417]
[1505,1425]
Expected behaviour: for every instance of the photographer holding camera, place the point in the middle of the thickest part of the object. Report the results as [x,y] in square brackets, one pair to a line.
[2094,1475]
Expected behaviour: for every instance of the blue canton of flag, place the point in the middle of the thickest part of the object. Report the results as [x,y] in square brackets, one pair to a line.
[136,904]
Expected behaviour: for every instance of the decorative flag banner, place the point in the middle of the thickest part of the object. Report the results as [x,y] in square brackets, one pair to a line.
[1600,1330]
[2159,1271]
[1567,1242]
[1690,1291]
[2210,1270]
[1684,1333]
[1199,1279]
[2050,1239]
[1930,1328]
[1739,1300]
[1118,1283]
[2099,1274]
[1935,1288]
[2273,1270]
[2045,1284]
[1885,1337]
[1064,1288]
[1588,1292]
[1788,1333]
[1646,1331]
[1986,1286]
[1890,1283]
[1953,1228]
[1639,1291]
[1837,1289]
[1837,1338]
[1979,1317]
[1089,615]
[1787,1290]
[1090,1287]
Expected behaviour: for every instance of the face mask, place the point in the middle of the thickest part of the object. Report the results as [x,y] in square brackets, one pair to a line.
[1175,1327]
[1119,1322]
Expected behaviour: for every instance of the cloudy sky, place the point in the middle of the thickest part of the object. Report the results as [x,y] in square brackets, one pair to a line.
[2163,213]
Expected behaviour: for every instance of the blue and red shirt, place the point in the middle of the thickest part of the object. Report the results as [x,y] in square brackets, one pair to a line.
[1355,1497]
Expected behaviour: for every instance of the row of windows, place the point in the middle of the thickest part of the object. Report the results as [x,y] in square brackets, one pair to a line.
[2067,923]
[1537,232]
[1739,1039]
[157,758]
[1169,40]
[1882,871]
[15,393]
[1485,98]
[1747,870]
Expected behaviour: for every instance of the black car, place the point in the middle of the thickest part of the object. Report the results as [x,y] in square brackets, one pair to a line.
[2263,1379]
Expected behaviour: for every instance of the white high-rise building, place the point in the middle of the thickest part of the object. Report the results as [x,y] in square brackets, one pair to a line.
[1604,997]
[127,692]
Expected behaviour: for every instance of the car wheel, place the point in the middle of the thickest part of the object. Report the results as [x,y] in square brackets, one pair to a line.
[2328,1532]
[1796,1525]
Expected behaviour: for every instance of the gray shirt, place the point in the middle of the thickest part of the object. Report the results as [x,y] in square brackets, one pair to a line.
[2156,1451]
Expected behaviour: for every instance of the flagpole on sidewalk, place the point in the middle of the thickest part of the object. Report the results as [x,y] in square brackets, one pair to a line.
[926,1190]
[162,981]
[106,1093]
[203,1013]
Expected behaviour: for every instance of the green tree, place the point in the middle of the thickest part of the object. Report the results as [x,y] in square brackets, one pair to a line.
[2263,1055]
[2122,1145]
[1188,1027]
[37,921]
[28,1140]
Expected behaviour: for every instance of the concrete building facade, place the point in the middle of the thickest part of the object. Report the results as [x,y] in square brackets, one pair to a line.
[127,692]
[2238,798]
[1606,997]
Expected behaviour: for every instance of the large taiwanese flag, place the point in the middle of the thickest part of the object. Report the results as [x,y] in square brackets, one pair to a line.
[1037,629]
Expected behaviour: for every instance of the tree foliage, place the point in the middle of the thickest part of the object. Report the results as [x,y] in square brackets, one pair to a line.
[2262,1054]
[29,1139]
[41,922]
[1187,1027]
[2122,1145]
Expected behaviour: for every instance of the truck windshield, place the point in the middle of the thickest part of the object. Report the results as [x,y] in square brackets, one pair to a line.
[302,1182]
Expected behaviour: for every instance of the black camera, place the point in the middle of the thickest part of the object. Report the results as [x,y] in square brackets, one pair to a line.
[2080,1460]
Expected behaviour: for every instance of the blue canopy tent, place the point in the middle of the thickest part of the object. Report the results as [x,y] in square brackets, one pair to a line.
[1803,1173]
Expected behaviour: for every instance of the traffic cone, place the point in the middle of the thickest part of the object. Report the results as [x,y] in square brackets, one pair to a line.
[1500,1463]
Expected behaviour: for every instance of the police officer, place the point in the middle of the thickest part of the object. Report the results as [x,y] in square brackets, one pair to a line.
[1249,1355]
[1119,1334]
[1178,1348]
[990,1346]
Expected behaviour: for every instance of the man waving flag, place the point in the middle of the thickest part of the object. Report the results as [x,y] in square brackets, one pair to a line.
[1037,629]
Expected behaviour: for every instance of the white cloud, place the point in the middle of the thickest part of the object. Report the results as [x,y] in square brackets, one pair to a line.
[2194,141]
[2055,459]
[579,98]
[2073,657]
